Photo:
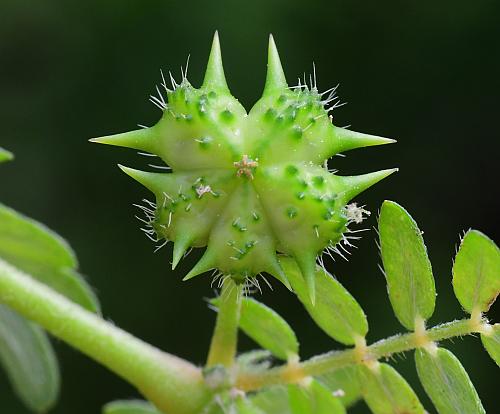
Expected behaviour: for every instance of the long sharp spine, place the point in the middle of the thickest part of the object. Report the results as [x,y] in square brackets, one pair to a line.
[214,75]
[273,267]
[206,263]
[154,182]
[307,265]
[345,140]
[275,78]
[351,186]
[181,245]
[141,139]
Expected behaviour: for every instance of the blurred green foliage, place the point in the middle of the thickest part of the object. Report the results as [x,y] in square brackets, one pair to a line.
[423,72]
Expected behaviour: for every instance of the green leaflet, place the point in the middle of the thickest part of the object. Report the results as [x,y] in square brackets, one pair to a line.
[314,398]
[36,250]
[335,310]
[25,350]
[385,391]
[29,360]
[345,382]
[407,267]
[268,329]
[129,407]
[476,274]
[325,402]
[258,359]
[446,383]
[491,342]
[5,155]
[246,406]
[299,400]
[226,403]
[273,400]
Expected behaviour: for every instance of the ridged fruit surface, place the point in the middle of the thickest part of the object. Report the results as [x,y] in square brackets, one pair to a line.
[248,185]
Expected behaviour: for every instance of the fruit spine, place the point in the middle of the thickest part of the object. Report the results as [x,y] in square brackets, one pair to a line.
[248,185]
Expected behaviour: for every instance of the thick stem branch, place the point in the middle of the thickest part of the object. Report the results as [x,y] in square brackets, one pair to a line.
[172,384]
[225,338]
[338,359]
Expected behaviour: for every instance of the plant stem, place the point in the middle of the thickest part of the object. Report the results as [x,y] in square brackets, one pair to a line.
[331,361]
[225,338]
[171,383]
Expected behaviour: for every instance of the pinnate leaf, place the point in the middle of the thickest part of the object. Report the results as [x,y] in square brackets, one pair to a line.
[385,391]
[446,382]
[335,310]
[491,342]
[476,272]
[38,251]
[407,267]
[345,382]
[129,407]
[28,358]
[5,155]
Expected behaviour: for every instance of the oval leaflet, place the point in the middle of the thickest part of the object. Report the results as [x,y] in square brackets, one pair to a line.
[446,382]
[407,267]
[476,272]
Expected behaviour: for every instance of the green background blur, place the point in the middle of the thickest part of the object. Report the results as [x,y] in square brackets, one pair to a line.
[424,72]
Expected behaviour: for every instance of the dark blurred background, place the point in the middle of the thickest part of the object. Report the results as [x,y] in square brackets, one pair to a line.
[424,72]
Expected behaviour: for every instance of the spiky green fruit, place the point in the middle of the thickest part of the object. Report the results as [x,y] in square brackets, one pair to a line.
[248,185]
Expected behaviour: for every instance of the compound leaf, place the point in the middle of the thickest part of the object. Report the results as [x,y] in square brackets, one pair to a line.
[385,391]
[335,310]
[29,360]
[344,382]
[407,267]
[38,251]
[129,407]
[476,272]
[491,342]
[446,382]
[5,155]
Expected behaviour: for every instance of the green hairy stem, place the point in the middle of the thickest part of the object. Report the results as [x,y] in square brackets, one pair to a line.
[174,384]
[171,383]
[334,360]
[253,188]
